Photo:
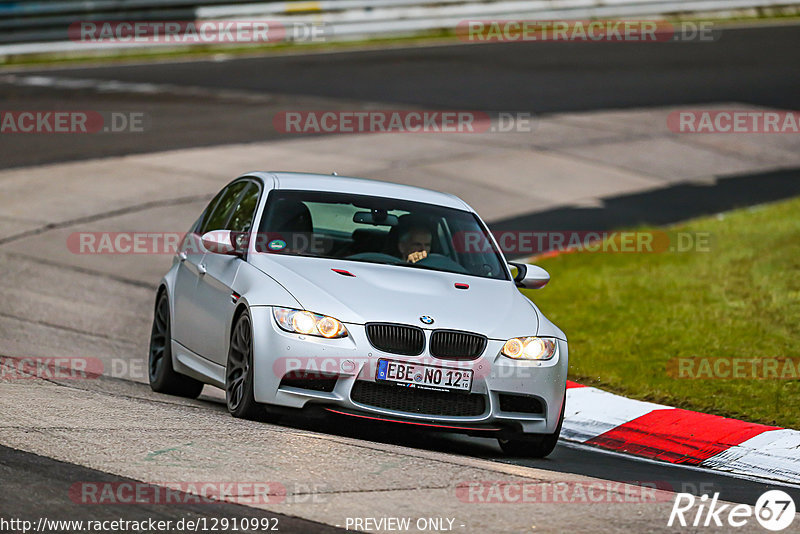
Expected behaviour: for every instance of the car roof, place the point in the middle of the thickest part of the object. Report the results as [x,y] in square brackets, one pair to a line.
[360,186]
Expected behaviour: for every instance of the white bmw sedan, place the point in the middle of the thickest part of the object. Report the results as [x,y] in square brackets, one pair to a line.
[359,298]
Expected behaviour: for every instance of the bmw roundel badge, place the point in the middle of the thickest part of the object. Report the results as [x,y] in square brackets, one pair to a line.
[427,319]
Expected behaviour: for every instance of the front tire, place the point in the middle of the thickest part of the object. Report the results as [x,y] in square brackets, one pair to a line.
[533,446]
[239,376]
[163,378]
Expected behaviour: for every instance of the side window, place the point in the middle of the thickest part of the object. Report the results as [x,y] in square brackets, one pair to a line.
[242,218]
[200,223]
[216,219]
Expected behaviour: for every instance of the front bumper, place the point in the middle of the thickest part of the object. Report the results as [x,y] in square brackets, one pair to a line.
[351,364]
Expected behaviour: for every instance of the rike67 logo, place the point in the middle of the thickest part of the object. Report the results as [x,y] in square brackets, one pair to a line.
[774,510]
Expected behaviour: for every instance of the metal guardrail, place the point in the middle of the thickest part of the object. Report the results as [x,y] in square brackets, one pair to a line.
[49,20]
[42,27]
[366,18]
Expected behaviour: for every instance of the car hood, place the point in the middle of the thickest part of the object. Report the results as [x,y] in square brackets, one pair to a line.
[387,293]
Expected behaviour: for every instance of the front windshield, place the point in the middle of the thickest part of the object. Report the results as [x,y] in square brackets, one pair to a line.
[377,230]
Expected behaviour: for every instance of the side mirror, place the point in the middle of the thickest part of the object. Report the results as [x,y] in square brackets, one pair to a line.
[219,242]
[530,276]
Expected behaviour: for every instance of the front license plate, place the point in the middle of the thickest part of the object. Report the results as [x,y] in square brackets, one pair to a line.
[424,376]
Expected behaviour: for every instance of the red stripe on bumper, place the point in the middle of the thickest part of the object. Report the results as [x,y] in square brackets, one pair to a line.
[384,419]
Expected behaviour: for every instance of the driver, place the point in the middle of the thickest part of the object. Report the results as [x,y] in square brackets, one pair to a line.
[414,243]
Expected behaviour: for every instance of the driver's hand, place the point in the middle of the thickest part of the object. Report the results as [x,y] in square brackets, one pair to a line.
[414,257]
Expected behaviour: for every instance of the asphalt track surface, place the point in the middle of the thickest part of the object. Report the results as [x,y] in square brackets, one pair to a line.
[565,459]
[756,66]
[759,66]
[666,205]
[35,485]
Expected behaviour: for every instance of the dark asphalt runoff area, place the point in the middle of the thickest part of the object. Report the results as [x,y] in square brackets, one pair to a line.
[566,458]
[36,487]
[757,65]
[666,205]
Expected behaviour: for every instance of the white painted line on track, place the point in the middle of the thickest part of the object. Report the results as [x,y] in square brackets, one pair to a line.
[116,86]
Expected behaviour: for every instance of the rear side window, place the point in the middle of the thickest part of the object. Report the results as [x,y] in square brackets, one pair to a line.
[242,218]
[220,209]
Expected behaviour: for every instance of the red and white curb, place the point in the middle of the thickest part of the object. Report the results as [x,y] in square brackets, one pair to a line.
[601,419]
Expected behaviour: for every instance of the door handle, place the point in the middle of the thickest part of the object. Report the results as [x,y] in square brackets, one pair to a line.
[182,256]
[201,268]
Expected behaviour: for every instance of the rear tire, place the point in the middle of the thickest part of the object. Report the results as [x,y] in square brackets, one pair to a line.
[163,377]
[533,445]
[239,376]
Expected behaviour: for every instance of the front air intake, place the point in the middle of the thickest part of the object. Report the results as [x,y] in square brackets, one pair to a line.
[311,380]
[418,401]
[520,404]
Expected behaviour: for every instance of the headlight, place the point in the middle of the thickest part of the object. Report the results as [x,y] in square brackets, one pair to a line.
[305,322]
[530,348]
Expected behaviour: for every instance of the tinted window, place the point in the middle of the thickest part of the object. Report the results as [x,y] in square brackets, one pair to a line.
[200,223]
[223,205]
[242,218]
